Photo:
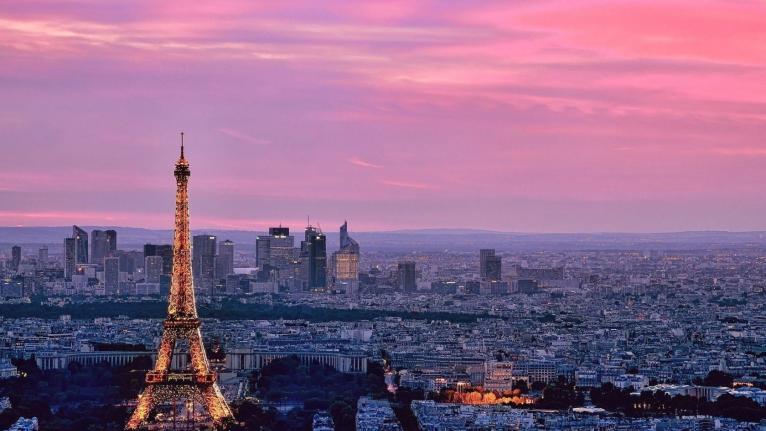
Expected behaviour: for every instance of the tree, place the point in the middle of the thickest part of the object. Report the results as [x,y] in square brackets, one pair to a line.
[560,395]
[343,415]
[718,378]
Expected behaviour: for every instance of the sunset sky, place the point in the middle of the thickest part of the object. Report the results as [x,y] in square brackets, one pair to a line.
[527,116]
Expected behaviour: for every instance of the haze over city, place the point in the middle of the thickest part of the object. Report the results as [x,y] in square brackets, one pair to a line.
[546,116]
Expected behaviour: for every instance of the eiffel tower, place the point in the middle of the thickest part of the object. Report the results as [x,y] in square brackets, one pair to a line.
[195,386]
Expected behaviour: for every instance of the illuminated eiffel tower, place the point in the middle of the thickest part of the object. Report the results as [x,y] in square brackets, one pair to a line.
[195,386]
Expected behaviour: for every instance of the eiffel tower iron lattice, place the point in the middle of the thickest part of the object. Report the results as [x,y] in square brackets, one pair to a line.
[197,384]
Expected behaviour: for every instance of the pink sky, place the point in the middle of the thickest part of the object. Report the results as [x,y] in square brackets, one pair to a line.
[544,116]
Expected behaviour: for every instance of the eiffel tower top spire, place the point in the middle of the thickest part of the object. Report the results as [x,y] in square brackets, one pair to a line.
[181,301]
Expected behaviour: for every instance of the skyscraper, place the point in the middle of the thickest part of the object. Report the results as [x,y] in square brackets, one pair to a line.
[130,260]
[493,267]
[70,258]
[225,261]
[346,242]
[42,257]
[99,245]
[314,251]
[111,275]
[407,276]
[282,246]
[346,260]
[163,250]
[111,242]
[15,258]
[153,268]
[262,251]
[490,265]
[203,261]
[275,249]
[80,245]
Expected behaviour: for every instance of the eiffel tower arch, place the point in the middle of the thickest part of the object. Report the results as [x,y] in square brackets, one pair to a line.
[193,392]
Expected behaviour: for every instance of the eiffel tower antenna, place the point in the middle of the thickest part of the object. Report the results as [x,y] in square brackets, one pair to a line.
[184,388]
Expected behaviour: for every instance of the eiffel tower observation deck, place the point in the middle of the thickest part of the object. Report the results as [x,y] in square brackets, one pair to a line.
[186,396]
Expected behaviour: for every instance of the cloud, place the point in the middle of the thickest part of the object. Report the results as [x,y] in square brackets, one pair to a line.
[365,164]
[407,184]
[243,137]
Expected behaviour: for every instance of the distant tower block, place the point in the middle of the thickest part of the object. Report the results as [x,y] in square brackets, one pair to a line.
[182,390]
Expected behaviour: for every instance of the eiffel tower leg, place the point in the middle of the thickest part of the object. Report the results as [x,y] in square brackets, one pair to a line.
[144,407]
[197,352]
[165,353]
[216,404]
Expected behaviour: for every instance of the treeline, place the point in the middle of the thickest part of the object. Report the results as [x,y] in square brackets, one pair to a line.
[312,387]
[85,398]
[649,403]
[225,310]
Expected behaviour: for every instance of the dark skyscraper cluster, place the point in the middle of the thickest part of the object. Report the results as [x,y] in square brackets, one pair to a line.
[165,251]
[211,262]
[306,267]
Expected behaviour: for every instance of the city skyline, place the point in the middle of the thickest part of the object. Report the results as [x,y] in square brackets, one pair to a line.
[544,117]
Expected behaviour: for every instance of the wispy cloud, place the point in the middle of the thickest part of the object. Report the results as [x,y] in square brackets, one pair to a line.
[363,163]
[749,152]
[408,184]
[236,134]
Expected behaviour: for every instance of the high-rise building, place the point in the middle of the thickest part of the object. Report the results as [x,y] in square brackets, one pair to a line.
[282,247]
[346,242]
[70,258]
[484,254]
[163,250]
[494,268]
[225,261]
[99,246]
[346,260]
[80,244]
[153,268]
[203,261]
[262,251]
[42,257]
[15,258]
[111,275]
[130,260]
[407,276]
[490,265]
[111,242]
[275,249]
[314,253]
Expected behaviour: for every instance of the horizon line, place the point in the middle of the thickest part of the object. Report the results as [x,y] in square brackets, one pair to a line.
[417,229]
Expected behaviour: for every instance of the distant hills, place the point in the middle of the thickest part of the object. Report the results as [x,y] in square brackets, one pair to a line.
[426,239]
